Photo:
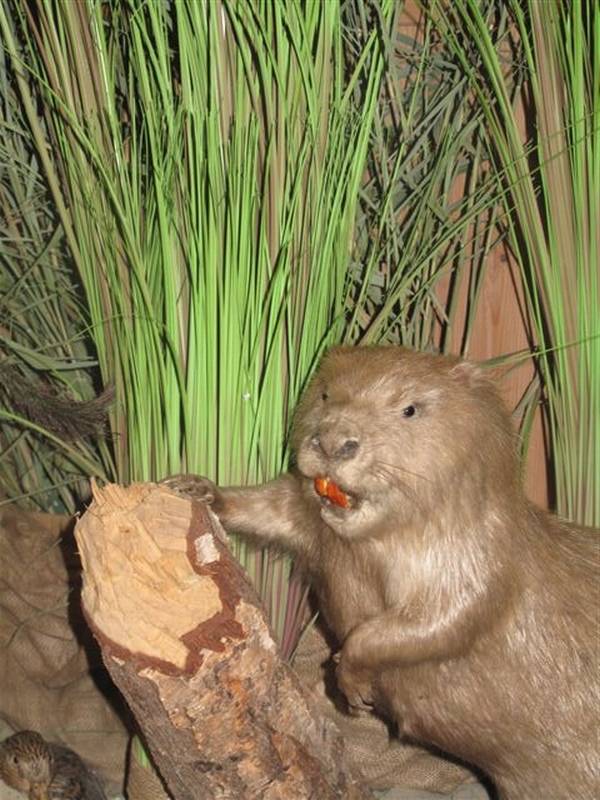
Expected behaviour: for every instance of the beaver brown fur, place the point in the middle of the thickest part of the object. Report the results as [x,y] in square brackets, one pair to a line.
[464,613]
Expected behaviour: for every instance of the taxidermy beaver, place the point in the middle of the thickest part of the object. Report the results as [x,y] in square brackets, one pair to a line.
[464,613]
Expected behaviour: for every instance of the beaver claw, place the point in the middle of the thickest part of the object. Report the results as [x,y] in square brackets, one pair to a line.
[195,487]
[356,685]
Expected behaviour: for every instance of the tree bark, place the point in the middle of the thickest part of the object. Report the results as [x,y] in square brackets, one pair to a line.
[184,637]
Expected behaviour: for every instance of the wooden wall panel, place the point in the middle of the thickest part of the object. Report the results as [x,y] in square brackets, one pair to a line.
[500,328]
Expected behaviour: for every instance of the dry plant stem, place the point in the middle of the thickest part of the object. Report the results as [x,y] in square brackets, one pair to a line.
[185,639]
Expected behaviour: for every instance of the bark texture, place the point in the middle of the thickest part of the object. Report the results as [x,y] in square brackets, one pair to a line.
[184,637]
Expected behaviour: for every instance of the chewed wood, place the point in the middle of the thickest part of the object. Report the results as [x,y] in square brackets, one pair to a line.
[161,602]
[184,637]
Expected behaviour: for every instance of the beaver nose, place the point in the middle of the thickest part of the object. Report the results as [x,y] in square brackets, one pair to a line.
[333,449]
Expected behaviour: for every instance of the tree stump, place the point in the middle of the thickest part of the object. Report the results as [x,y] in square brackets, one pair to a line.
[185,639]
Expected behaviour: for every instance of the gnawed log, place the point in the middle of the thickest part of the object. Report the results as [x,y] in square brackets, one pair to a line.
[184,637]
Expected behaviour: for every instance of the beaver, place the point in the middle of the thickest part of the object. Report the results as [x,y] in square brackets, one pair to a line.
[464,613]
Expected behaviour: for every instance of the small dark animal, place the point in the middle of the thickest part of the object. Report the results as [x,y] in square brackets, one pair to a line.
[46,771]
[39,402]
[464,612]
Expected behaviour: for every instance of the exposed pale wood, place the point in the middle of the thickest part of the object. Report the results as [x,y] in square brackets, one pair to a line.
[185,639]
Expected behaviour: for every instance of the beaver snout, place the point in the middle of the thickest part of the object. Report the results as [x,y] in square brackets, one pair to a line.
[335,447]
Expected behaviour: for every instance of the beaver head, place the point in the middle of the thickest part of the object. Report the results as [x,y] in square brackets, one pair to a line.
[385,432]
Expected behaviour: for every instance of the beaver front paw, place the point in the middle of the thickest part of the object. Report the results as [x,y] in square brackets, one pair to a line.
[195,487]
[356,684]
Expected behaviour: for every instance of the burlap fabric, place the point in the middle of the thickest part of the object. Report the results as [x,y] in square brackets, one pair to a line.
[51,677]
[380,759]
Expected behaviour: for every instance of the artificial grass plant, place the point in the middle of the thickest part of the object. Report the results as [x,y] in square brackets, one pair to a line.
[550,185]
[238,185]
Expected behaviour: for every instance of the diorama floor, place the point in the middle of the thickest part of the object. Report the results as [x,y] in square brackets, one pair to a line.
[470,791]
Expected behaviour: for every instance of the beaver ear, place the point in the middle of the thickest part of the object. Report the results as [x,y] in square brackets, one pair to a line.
[468,372]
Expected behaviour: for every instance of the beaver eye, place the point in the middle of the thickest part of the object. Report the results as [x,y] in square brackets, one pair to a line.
[409,411]
[324,396]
